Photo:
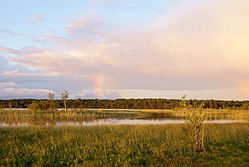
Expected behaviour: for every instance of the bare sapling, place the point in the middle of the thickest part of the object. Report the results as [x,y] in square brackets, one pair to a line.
[64,97]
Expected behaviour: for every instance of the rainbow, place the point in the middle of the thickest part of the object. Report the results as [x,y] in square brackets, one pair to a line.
[98,84]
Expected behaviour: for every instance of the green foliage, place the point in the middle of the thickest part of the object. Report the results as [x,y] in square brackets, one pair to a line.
[163,145]
[33,106]
[195,116]
[51,101]
[38,105]
[130,103]
[194,119]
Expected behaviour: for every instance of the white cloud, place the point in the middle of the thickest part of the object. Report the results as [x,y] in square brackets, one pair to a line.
[13,90]
[7,84]
[16,73]
[100,94]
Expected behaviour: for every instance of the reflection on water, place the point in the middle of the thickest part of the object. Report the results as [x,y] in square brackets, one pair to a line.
[120,122]
[113,122]
[25,118]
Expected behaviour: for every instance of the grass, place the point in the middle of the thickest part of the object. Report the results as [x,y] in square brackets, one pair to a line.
[160,145]
[143,145]
[210,113]
[43,117]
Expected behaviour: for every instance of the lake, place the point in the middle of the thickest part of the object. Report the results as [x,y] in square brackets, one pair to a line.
[111,122]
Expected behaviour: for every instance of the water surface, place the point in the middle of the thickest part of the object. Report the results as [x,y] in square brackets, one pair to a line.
[112,122]
[94,117]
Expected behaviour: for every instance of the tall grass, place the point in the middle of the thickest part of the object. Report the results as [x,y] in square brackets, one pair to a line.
[210,113]
[161,145]
[41,117]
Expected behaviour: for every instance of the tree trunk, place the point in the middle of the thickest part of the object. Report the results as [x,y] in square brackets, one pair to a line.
[65,105]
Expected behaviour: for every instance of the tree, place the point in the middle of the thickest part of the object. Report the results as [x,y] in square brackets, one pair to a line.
[33,106]
[195,118]
[10,105]
[64,97]
[50,96]
[51,101]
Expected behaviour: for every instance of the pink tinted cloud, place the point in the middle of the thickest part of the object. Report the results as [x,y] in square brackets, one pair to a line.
[9,50]
[16,73]
[206,39]
[13,90]
[84,26]
[7,84]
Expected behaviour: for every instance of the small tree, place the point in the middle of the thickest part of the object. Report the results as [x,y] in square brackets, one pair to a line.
[51,101]
[64,97]
[195,118]
[33,106]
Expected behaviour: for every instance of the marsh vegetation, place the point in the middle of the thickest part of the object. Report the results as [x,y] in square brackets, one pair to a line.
[146,145]
[42,143]
[84,116]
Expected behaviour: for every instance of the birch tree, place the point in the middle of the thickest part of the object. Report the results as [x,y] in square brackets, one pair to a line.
[64,97]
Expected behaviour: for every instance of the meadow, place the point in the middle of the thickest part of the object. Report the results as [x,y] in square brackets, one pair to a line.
[121,145]
[161,145]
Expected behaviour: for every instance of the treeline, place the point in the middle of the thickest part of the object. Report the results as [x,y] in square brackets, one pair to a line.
[123,103]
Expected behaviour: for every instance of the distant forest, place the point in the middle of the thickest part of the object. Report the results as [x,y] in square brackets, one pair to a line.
[123,103]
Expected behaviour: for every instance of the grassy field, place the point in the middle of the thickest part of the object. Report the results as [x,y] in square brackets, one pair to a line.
[160,145]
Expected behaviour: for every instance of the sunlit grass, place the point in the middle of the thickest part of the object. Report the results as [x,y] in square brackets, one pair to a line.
[163,145]
[210,113]
[40,117]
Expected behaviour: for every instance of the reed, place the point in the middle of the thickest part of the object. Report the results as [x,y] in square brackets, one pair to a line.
[161,145]
[40,117]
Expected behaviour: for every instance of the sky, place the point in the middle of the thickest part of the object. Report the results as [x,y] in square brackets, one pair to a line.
[111,49]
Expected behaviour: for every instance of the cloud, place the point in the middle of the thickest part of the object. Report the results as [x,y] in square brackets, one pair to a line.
[85,26]
[6,32]
[4,63]
[7,93]
[7,84]
[197,42]
[99,94]
[13,90]
[201,45]
[244,90]
[9,33]
[5,50]
[37,18]
[16,73]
